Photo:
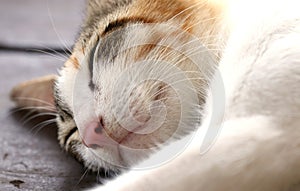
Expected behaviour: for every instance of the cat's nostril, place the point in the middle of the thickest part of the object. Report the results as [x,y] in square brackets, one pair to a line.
[92,146]
[98,130]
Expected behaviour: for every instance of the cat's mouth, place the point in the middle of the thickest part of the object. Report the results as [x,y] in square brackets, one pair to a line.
[104,143]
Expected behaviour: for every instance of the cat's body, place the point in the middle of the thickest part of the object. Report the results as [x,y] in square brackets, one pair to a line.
[258,147]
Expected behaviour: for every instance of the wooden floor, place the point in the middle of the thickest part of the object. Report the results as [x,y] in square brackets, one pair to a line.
[30,157]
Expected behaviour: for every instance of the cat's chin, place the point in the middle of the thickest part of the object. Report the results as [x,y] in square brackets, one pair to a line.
[132,157]
[115,158]
[106,158]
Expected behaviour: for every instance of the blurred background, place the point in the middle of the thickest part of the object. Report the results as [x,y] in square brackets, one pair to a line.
[34,36]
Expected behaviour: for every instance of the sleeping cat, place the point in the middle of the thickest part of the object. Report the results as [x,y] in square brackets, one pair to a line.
[258,147]
[135,81]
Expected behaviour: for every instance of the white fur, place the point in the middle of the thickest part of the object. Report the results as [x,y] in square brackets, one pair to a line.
[122,82]
[259,146]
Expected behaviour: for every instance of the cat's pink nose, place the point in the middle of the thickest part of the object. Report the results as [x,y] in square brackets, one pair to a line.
[94,135]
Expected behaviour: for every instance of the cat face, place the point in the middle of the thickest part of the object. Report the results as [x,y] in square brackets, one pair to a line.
[130,86]
[116,107]
[134,82]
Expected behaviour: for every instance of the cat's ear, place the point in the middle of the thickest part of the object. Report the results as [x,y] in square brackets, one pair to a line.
[36,94]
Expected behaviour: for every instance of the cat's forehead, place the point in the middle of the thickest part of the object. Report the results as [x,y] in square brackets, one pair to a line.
[109,45]
[123,40]
[132,11]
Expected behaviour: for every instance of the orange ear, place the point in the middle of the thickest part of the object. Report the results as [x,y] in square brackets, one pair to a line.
[36,94]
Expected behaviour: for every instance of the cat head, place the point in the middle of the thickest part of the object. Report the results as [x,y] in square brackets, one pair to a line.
[132,84]
[117,107]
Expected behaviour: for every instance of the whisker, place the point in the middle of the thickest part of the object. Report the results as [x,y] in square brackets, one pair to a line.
[36,100]
[81,178]
[162,57]
[31,109]
[37,115]
[170,85]
[15,110]
[98,173]
[27,115]
[55,30]
[187,9]
[62,59]
[183,80]
[59,52]
[41,125]
[202,21]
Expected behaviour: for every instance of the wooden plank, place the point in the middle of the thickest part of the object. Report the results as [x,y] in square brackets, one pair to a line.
[39,23]
[31,158]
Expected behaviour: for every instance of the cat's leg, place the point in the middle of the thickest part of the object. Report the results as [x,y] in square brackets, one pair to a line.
[251,154]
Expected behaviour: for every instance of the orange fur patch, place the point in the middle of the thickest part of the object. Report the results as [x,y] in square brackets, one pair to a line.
[74,62]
